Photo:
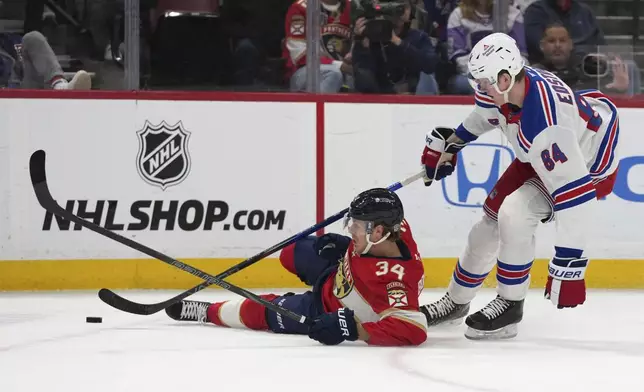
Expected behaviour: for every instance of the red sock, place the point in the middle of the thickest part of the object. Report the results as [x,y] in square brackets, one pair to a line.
[242,313]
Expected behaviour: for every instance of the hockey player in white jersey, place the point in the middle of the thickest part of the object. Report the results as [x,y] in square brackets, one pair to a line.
[566,157]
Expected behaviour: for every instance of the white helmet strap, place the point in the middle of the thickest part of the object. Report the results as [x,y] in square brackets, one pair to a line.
[368,237]
[505,93]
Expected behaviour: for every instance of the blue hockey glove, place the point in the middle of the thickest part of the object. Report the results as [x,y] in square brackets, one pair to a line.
[332,247]
[334,328]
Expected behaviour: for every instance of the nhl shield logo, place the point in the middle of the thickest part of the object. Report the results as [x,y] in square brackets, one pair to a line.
[163,158]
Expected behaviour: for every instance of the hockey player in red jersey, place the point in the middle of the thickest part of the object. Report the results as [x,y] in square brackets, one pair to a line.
[365,287]
[335,35]
[566,147]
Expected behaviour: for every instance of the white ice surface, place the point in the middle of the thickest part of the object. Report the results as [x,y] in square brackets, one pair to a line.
[46,346]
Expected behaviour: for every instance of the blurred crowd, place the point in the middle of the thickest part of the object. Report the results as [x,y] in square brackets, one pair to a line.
[417,47]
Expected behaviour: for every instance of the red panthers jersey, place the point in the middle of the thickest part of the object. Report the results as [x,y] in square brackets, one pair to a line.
[335,32]
[382,292]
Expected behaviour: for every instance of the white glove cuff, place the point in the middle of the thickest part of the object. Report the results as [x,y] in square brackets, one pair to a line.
[434,143]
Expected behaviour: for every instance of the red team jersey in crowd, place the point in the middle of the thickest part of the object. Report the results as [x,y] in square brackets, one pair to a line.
[382,292]
[335,31]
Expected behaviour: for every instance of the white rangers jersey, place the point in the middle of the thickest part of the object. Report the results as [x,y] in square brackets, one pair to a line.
[569,138]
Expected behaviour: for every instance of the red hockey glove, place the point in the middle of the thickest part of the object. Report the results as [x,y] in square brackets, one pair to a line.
[566,287]
[436,165]
[439,157]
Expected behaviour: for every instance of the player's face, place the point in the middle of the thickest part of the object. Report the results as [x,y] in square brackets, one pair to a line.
[480,85]
[358,231]
[487,87]
[484,86]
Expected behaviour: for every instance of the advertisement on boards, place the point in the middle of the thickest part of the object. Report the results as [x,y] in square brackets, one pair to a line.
[391,139]
[191,179]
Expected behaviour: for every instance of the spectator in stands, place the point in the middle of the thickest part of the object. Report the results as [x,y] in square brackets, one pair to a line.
[403,64]
[576,16]
[467,25]
[29,62]
[438,11]
[432,16]
[256,31]
[335,33]
[589,71]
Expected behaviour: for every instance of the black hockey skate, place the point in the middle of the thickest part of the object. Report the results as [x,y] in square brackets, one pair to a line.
[497,320]
[445,311]
[188,311]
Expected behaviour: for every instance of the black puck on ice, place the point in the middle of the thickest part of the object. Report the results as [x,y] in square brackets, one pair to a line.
[93,319]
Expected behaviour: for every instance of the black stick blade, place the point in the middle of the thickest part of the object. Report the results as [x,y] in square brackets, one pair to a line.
[120,303]
[37,167]
[39,183]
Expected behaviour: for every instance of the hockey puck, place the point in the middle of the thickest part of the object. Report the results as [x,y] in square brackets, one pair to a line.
[93,319]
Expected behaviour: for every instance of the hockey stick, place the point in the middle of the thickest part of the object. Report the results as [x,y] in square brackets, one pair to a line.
[41,189]
[118,302]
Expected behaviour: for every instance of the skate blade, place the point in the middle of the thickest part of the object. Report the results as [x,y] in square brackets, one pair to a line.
[448,324]
[455,322]
[507,332]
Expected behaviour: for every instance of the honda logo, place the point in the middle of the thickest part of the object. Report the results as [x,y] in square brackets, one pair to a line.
[478,168]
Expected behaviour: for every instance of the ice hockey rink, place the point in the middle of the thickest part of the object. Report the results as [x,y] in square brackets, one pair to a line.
[46,345]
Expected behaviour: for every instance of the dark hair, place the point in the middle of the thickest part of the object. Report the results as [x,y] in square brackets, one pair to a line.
[519,77]
[553,25]
[468,8]
[395,234]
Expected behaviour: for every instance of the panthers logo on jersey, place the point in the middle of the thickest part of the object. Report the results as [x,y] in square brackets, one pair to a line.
[343,280]
[335,38]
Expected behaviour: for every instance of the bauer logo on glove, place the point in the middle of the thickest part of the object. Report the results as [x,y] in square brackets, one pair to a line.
[566,287]
[335,327]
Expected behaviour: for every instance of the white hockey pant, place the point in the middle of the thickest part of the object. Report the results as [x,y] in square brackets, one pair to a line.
[513,236]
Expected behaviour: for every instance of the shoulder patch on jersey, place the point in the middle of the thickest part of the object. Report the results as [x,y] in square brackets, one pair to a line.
[298,25]
[397,297]
[343,284]
[395,284]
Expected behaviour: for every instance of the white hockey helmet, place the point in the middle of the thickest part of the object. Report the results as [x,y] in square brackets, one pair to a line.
[495,53]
